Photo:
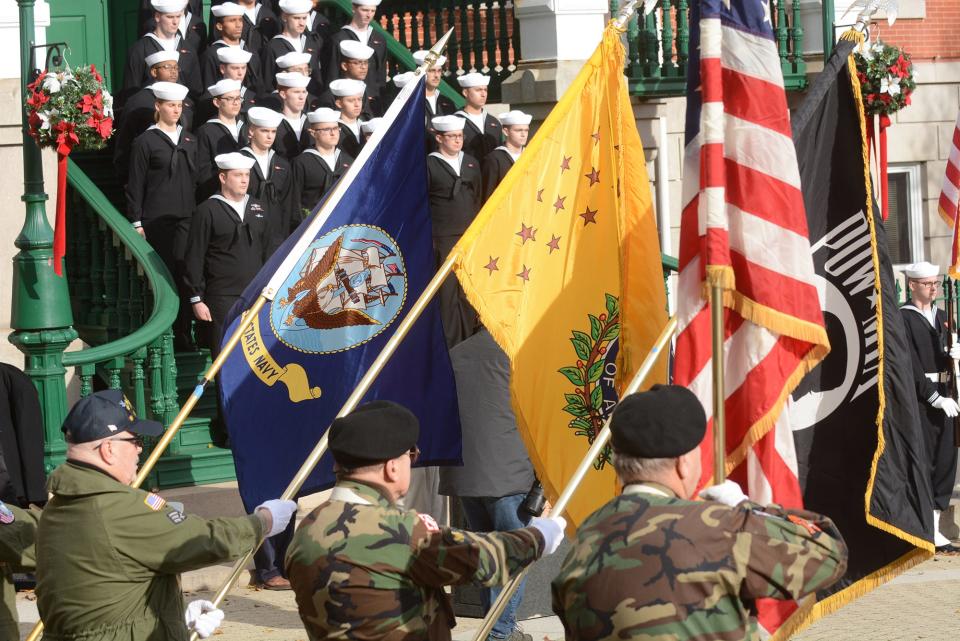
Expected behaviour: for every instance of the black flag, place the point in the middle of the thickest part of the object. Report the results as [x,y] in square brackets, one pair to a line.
[859,444]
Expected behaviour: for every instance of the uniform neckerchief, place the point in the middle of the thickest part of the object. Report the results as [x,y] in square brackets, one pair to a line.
[455,164]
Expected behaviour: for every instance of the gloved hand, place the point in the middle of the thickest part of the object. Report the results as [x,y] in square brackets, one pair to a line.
[955,351]
[948,405]
[203,618]
[728,493]
[281,511]
[551,528]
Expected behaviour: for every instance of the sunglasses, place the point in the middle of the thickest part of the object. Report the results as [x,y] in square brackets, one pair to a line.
[136,440]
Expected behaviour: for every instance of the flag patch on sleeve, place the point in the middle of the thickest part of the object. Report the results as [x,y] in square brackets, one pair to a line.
[154,501]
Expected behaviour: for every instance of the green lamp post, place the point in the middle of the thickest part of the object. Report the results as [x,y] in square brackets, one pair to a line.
[40,312]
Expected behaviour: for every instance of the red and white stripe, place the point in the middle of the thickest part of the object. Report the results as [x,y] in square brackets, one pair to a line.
[743,211]
[950,198]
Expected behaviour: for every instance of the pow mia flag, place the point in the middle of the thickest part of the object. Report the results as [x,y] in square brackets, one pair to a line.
[859,444]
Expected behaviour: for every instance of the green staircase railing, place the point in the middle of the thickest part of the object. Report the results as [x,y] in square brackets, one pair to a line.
[659,47]
[125,302]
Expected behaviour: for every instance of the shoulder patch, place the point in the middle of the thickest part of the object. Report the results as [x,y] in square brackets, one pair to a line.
[176,516]
[6,514]
[811,528]
[154,501]
[428,522]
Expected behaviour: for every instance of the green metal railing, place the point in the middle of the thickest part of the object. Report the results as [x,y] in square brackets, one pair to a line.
[659,47]
[400,57]
[125,303]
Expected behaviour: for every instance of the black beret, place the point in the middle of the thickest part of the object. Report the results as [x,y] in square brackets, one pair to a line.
[665,422]
[374,432]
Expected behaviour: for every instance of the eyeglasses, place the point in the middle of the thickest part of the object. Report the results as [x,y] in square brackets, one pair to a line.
[414,454]
[453,136]
[230,98]
[169,67]
[325,130]
[933,284]
[137,441]
[359,63]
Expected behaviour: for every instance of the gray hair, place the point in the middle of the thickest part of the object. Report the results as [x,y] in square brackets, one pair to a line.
[633,468]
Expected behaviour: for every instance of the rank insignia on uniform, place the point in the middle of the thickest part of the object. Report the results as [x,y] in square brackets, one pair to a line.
[154,501]
[6,514]
[176,516]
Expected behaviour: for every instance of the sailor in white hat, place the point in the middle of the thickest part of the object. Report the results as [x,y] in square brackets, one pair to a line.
[934,350]
[271,177]
[230,238]
[370,126]
[483,132]
[222,134]
[359,30]
[348,98]
[165,35]
[454,190]
[292,137]
[516,130]
[354,65]
[295,36]
[230,24]
[318,168]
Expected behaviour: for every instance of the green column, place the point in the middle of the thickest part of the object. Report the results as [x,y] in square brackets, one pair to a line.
[828,14]
[40,309]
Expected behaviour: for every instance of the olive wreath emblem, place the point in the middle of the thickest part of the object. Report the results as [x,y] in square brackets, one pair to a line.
[586,401]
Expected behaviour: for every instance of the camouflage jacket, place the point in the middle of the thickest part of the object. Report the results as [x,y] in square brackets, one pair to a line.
[653,566]
[364,568]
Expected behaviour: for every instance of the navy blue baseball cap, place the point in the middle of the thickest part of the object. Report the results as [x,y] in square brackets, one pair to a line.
[105,414]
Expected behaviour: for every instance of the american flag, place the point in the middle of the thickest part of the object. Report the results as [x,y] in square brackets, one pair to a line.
[744,226]
[950,197]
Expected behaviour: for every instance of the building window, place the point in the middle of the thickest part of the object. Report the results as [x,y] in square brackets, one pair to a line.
[905,221]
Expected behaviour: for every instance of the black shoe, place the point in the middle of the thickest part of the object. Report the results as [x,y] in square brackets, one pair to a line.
[948,549]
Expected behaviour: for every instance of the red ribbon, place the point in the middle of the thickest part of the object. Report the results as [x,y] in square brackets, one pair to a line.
[66,139]
[884,123]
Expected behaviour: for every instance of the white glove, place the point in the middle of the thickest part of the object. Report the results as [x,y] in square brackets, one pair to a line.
[203,618]
[281,511]
[728,493]
[551,528]
[955,351]
[948,405]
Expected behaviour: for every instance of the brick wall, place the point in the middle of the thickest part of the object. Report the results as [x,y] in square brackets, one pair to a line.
[935,37]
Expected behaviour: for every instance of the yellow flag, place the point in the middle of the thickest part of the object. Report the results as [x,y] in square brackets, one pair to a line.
[563,266]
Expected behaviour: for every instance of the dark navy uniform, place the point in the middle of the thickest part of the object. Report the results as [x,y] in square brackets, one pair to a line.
[275,192]
[928,344]
[349,142]
[454,202]
[135,118]
[313,178]
[223,254]
[373,106]
[215,138]
[137,72]
[480,143]
[288,143]
[494,167]
[279,46]
[210,68]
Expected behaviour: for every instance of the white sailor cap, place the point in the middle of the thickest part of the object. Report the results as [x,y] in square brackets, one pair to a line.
[168,91]
[921,270]
[421,55]
[293,59]
[294,7]
[371,125]
[263,117]
[226,10]
[355,50]
[323,114]
[234,160]
[224,86]
[515,117]
[448,123]
[292,79]
[233,55]
[474,79]
[347,87]
[168,6]
[366,3]
[402,79]
[162,56]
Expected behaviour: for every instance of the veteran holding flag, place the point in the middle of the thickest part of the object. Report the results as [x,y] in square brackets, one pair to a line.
[362,567]
[654,563]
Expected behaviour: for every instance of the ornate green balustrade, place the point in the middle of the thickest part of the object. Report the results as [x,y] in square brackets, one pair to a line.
[659,47]
[125,301]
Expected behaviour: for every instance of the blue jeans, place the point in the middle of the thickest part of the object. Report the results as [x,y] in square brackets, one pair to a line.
[488,514]
[268,560]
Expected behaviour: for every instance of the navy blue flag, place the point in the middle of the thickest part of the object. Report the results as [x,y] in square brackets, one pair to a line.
[345,287]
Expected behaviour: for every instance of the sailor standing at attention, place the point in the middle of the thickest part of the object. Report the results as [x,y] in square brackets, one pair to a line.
[516,130]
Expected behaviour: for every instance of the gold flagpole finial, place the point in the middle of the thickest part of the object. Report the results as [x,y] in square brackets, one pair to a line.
[435,52]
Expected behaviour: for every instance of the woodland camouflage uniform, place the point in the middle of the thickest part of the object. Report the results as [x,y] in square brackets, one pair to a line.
[364,568]
[653,566]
